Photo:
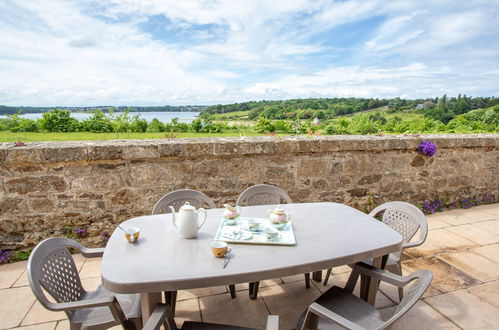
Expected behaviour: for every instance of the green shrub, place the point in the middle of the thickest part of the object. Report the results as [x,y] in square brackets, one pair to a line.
[16,123]
[58,120]
[138,124]
[156,126]
[97,123]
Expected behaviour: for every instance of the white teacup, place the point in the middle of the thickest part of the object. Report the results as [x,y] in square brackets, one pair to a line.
[132,234]
[253,224]
[271,233]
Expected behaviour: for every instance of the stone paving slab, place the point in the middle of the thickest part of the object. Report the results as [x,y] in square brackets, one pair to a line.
[462,250]
[466,310]
[488,292]
[421,316]
[473,264]
[475,234]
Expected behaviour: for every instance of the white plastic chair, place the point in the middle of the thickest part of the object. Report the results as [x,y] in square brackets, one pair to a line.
[162,315]
[406,219]
[51,268]
[264,194]
[339,308]
[178,198]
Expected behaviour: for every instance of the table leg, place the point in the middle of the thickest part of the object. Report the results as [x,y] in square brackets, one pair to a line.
[369,286]
[149,301]
[317,276]
[254,290]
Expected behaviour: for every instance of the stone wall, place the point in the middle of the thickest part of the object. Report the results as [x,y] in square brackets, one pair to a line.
[50,188]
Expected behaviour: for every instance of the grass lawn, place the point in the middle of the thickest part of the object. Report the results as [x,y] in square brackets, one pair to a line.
[235,115]
[6,136]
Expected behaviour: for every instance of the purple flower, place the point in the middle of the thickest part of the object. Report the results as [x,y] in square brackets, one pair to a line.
[433,206]
[104,237]
[466,203]
[427,148]
[5,256]
[81,232]
[487,198]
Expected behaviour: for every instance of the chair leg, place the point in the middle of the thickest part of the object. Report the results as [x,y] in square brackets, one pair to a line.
[171,300]
[398,271]
[254,290]
[328,273]
[232,289]
[307,280]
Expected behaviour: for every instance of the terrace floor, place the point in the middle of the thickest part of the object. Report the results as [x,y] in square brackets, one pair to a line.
[462,250]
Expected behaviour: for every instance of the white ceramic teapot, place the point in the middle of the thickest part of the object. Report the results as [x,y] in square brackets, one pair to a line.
[278,217]
[186,220]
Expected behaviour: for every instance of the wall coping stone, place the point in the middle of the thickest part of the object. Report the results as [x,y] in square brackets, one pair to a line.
[68,151]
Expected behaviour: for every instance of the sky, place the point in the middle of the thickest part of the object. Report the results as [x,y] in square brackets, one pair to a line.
[181,52]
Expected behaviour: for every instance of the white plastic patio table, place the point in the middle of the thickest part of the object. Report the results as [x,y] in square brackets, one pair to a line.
[327,235]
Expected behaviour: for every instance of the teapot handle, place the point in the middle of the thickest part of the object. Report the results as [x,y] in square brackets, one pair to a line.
[205,215]
[173,216]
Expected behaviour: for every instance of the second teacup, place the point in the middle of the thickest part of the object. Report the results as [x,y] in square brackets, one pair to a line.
[271,233]
[253,224]
[219,248]
[132,234]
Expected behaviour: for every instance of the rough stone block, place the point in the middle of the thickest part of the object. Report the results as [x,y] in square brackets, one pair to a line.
[26,185]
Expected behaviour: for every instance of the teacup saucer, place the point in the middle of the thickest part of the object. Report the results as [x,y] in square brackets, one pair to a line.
[233,234]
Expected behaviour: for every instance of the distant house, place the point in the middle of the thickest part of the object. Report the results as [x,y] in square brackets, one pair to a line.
[425,105]
[315,121]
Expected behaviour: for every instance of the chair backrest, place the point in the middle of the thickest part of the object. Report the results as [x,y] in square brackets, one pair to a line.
[51,267]
[403,217]
[178,198]
[421,280]
[263,194]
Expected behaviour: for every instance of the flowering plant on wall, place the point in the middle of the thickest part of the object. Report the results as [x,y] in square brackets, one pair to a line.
[427,148]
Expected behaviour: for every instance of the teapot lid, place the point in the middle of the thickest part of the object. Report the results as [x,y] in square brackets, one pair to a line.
[230,207]
[278,210]
[187,207]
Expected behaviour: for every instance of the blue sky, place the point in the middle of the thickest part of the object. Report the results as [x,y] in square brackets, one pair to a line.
[124,52]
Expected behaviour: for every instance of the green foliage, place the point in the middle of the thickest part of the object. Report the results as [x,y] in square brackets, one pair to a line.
[138,124]
[16,123]
[176,126]
[156,126]
[99,122]
[264,125]
[20,255]
[58,120]
[122,121]
[363,124]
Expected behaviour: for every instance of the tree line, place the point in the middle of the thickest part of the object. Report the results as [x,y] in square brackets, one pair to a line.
[9,110]
[442,109]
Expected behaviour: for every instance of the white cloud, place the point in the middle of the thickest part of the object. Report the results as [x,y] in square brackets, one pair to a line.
[96,52]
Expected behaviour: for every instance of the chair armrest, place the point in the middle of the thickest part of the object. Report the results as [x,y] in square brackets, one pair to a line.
[110,302]
[412,244]
[331,316]
[81,304]
[92,253]
[272,322]
[381,275]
